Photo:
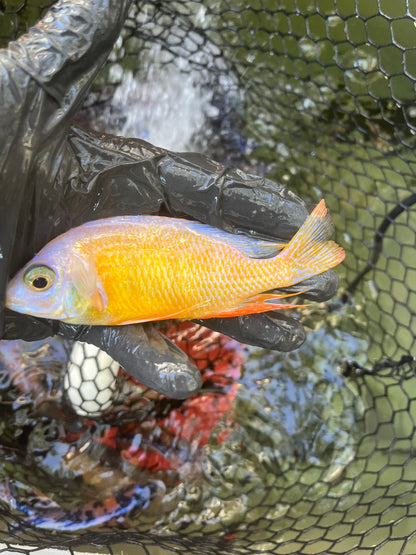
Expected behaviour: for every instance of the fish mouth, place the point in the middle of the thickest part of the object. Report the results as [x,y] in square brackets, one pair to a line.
[17,306]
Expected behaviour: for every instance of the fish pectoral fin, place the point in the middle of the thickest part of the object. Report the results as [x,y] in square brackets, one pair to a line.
[88,284]
[262,302]
[99,300]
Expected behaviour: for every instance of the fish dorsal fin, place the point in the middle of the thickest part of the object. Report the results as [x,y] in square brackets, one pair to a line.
[86,282]
[249,246]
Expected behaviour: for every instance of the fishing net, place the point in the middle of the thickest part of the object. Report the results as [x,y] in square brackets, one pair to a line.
[307,452]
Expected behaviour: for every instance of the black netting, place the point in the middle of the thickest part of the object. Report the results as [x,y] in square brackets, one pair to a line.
[313,451]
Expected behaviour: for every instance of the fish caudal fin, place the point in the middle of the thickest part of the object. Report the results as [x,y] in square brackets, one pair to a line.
[309,251]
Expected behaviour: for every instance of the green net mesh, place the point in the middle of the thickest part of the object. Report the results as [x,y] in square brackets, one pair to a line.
[314,453]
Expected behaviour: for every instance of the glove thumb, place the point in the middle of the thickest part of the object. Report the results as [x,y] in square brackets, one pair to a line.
[145,354]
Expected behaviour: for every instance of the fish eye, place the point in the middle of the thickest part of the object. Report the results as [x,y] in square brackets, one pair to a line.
[39,278]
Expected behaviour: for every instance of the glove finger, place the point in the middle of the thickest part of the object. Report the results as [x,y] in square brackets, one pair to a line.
[28,328]
[270,330]
[265,207]
[317,288]
[229,198]
[145,354]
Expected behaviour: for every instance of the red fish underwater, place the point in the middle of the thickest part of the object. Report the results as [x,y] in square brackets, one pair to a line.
[132,269]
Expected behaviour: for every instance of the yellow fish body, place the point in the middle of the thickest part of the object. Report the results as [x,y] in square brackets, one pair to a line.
[141,268]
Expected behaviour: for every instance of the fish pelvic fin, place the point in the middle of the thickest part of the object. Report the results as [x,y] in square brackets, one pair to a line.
[309,251]
[258,303]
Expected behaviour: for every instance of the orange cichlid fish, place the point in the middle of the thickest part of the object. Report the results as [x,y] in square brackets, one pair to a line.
[131,269]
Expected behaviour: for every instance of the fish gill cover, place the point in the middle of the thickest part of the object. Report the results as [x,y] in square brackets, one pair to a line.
[313,451]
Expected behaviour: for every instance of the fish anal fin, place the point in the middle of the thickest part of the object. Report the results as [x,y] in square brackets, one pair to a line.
[174,315]
[259,303]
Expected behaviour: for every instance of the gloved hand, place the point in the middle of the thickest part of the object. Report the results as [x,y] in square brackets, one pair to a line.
[54,177]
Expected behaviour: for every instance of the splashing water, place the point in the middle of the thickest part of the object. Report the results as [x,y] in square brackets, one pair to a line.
[167,107]
[167,110]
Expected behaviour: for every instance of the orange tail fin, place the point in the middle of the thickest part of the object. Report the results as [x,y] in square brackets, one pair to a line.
[309,251]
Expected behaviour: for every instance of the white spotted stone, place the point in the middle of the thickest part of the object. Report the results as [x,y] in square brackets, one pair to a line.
[90,407]
[90,383]
[90,350]
[88,391]
[77,354]
[89,369]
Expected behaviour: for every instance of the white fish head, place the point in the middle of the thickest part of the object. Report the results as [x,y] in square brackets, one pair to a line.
[51,285]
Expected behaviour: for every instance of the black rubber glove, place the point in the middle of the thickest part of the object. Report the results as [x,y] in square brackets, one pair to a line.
[53,177]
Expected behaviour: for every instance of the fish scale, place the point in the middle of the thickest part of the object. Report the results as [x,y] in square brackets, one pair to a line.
[153,276]
[168,278]
[142,268]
